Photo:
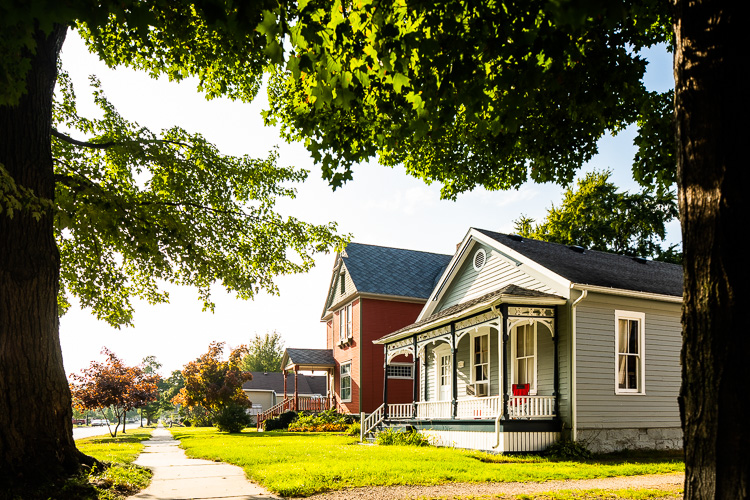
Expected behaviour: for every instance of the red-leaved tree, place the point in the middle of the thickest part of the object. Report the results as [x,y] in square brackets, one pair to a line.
[111,384]
[215,384]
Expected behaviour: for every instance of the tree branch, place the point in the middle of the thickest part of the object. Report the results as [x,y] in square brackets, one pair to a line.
[110,144]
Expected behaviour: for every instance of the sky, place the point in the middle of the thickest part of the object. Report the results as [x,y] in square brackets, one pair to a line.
[381,206]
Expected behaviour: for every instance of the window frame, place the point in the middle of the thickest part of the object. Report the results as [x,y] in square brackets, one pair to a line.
[341,381]
[472,367]
[346,325]
[533,389]
[640,317]
[401,364]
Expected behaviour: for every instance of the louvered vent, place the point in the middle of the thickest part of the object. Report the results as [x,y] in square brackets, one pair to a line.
[480,257]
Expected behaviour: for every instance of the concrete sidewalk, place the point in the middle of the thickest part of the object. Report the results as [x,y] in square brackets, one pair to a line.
[177,477]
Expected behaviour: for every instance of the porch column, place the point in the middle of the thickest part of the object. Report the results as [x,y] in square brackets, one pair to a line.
[556,371]
[506,337]
[385,381]
[284,385]
[415,380]
[454,375]
[296,394]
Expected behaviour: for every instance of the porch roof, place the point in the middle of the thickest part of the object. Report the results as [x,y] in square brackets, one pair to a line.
[508,294]
[307,359]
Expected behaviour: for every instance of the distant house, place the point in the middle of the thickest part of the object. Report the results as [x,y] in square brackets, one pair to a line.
[267,389]
[373,291]
[521,342]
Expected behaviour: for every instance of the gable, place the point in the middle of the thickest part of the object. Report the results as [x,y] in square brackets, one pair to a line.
[499,270]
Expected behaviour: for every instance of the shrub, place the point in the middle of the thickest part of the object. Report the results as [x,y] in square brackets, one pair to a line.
[353,429]
[232,419]
[279,423]
[326,421]
[395,437]
[187,423]
[567,449]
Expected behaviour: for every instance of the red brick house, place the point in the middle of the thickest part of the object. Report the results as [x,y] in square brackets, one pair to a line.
[374,291]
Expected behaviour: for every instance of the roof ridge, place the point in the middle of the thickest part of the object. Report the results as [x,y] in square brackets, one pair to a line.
[399,248]
[566,245]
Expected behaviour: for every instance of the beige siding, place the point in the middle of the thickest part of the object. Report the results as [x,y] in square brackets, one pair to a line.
[598,406]
[499,271]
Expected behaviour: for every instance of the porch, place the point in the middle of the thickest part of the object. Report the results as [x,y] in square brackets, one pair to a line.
[480,367]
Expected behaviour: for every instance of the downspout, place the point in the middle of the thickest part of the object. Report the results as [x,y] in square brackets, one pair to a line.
[573,384]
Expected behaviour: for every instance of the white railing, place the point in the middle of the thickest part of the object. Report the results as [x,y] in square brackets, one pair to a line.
[368,423]
[401,410]
[488,407]
[434,409]
[277,409]
[531,407]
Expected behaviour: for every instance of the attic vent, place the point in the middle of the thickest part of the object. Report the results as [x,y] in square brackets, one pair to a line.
[515,237]
[576,248]
[480,257]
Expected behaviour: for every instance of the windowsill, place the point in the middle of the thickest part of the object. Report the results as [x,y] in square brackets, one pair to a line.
[629,393]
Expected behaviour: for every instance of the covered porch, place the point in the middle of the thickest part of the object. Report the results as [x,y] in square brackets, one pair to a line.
[494,358]
[299,360]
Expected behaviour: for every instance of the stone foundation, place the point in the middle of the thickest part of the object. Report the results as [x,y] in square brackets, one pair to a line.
[609,440]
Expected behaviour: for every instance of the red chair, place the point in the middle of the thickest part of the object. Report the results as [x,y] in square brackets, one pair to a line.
[520,404]
[520,389]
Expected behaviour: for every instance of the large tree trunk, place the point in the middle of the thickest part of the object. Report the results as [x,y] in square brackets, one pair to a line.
[711,111]
[36,436]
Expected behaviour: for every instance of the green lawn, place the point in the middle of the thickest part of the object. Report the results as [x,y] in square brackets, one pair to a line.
[302,464]
[121,478]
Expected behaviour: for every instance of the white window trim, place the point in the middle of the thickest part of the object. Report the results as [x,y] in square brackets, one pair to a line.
[341,379]
[347,311]
[474,335]
[442,350]
[513,341]
[641,318]
[393,377]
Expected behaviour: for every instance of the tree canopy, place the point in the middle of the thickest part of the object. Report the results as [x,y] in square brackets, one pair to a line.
[264,353]
[112,385]
[471,93]
[596,215]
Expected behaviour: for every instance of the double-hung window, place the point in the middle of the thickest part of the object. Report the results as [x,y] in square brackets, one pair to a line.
[346,381]
[629,352]
[524,367]
[345,323]
[481,364]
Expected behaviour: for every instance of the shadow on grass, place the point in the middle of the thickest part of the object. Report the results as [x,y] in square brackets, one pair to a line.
[617,458]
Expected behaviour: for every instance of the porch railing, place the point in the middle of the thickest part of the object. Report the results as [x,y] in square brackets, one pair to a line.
[305,403]
[275,410]
[434,409]
[401,410]
[531,407]
[488,407]
[368,422]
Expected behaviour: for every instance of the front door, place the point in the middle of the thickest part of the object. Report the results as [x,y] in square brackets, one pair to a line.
[444,377]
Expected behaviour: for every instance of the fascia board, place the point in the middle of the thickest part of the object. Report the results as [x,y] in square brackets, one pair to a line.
[329,295]
[627,293]
[456,262]
[564,283]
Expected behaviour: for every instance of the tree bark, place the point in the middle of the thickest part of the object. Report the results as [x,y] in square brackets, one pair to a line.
[711,110]
[36,433]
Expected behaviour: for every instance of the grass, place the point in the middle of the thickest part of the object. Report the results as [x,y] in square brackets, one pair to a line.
[118,478]
[596,494]
[293,464]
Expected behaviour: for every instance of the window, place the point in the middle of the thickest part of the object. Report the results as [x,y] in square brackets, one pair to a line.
[400,370]
[342,280]
[524,356]
[629,352]
[480,368]
[346,381]
[345,323]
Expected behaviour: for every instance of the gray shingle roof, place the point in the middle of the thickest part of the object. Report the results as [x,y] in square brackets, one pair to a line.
[319,357]
[274,381]
[393,271]
[598,268]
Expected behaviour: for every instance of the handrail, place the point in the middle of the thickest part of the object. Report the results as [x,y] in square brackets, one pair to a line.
[368,423]
[277,409]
